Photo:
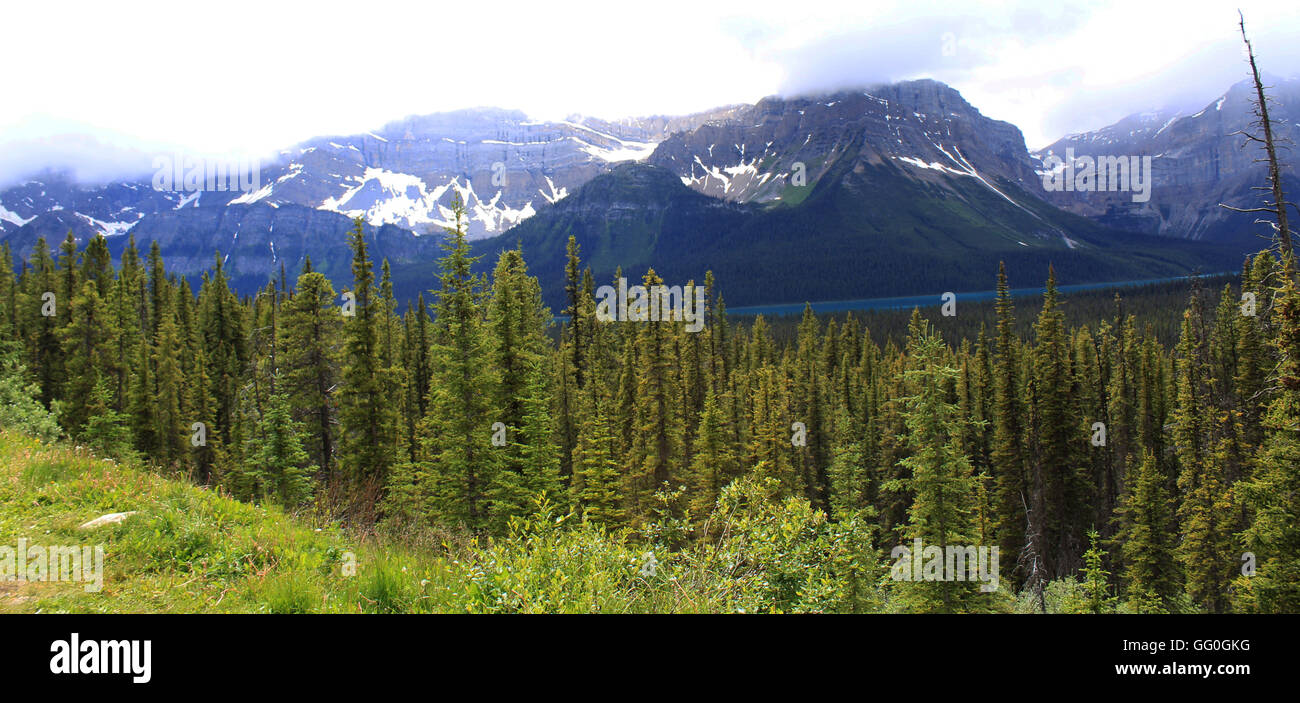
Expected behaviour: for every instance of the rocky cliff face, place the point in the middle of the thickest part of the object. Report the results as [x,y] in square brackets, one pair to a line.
[499,163]
[762,153]
[502,165]
[1197,162]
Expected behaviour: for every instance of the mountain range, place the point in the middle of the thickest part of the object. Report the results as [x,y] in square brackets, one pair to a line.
[1198,161]
[890,190]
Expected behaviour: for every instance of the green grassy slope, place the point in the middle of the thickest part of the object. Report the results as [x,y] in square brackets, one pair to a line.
[188,549]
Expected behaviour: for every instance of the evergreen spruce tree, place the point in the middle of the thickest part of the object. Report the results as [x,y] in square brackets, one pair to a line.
[1061,505]
[365,412]
[88,341]
[225,339]
[127,320]
[458,429]
[1096,578]
[107,431]
[715,463]
[809,386]
[1007,456]
[940,477]
[653,463]
[312,329]
[276,465]
[45,351]
[9,326]
[172,428]
[1151,576]
[143,401]
[515,325]
[1272,495]
[1204,511]
[597,481]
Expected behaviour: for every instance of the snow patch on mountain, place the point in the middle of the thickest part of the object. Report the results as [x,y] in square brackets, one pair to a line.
[383,197]
[629,151]
[556,194]
[108,229]
[933,165]
[625,151]
[970,171]
[13,217]
[737,181]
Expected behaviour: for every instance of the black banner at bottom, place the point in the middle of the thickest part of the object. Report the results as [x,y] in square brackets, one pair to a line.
[948,654]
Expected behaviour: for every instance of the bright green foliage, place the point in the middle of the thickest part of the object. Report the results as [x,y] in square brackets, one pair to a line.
[789,558]
[20,407]
[1096,577]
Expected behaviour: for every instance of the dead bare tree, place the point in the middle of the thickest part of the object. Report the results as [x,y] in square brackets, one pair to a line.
[1275,202]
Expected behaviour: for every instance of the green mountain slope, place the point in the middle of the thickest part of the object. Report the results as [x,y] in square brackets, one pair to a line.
[860,231]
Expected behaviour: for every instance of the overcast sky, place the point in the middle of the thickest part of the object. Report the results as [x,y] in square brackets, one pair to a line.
[98,84]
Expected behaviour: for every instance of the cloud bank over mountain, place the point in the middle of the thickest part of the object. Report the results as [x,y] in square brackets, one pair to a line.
[292,74]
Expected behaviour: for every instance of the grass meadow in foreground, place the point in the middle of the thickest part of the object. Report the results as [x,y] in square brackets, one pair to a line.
[189,549]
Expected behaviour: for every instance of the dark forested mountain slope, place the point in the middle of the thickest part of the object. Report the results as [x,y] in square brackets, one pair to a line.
[864,230]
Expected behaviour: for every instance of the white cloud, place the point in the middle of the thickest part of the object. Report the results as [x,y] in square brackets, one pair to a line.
[254,76]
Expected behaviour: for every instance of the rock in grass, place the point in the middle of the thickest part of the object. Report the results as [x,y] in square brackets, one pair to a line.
[109,519]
